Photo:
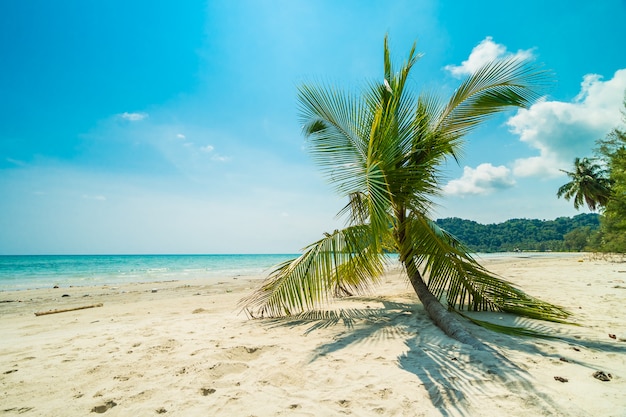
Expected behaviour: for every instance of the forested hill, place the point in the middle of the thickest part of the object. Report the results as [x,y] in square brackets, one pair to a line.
[561,234]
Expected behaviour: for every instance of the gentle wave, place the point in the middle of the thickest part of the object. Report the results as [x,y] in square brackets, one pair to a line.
[40,271]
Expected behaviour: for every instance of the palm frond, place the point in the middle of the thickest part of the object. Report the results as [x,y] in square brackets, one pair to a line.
[590,184]
[526,330]
[356,210]
[350,142]
[348,260]
[499,84]
[453,273]
[332,123]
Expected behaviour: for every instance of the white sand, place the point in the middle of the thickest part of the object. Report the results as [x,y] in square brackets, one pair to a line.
[185,351]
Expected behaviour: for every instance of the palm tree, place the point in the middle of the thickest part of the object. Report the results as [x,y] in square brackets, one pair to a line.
[589,185]
[384,151]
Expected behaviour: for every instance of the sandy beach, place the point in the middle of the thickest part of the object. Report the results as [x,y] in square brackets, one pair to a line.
[184,349]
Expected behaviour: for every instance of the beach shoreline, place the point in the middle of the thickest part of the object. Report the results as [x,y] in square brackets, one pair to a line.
[22,272]
[34,272]
[184,348]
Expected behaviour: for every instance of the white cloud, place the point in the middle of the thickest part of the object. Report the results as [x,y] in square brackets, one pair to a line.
[561,131]
[180,136]
[484,179]
[207,148]
[537,166]
[486,51]
[134,117]
[214,157]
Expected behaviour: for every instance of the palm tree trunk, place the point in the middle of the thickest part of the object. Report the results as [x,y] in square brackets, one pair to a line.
[442,318]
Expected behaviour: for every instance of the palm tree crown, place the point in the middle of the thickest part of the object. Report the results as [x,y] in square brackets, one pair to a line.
[589,185]
[383,151]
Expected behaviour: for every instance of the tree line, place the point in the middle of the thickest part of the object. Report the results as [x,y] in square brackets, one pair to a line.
[563,234]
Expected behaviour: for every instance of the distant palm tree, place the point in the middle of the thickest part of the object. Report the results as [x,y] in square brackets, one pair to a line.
[383,151]
[589,185]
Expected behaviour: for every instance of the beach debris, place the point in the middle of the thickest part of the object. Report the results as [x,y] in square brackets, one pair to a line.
[104,407]
[56,286]
[65,295]
[602,376]
[161,410]
[154,290]
[20,410]
[612,336]
[207,391]
[564,359]
[561,379]
[63,310]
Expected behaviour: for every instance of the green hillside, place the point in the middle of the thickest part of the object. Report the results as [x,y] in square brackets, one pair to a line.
[561,234]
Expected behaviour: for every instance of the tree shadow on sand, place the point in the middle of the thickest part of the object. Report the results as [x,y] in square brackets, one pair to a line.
[458,378]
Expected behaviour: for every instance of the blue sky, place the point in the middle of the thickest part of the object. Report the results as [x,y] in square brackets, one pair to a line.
[171,127]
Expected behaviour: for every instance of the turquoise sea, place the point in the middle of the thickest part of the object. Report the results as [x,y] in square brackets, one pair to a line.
[45,271]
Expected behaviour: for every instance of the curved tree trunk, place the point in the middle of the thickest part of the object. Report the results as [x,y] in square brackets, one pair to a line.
[442,318]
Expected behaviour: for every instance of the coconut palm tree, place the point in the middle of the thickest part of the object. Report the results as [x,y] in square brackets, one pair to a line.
[384,151]
[589,185]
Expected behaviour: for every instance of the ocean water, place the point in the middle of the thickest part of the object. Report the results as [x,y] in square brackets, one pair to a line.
[43,271]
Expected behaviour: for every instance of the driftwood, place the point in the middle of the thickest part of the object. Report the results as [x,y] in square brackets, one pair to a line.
[63,310]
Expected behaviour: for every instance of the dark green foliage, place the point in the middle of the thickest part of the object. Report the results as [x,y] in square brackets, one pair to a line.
[561,234]
[578,239]
[613,231]
[589,184]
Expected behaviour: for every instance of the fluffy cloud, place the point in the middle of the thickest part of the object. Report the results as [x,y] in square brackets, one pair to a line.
[484,179]
[214,157]
[561,131]
[133,117]
[486,51]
